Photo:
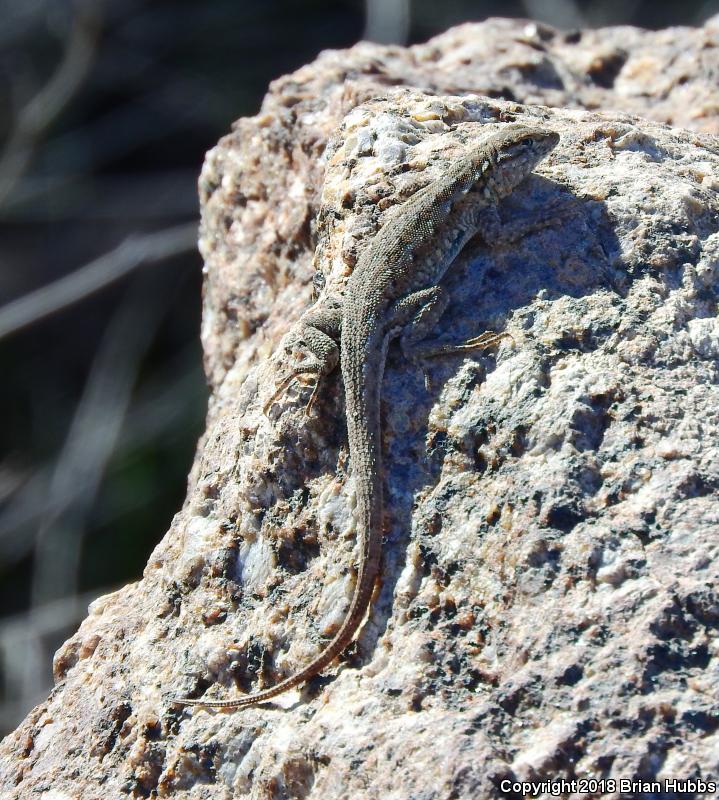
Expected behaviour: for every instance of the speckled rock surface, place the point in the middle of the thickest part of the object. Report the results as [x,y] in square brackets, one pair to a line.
[260,186]
[548,603]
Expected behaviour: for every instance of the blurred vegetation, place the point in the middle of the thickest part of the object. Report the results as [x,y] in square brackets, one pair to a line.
[107,111]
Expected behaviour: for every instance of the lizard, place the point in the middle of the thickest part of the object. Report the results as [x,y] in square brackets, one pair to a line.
[393,290]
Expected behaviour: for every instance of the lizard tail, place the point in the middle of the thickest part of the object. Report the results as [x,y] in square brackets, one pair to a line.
[333,649]
[365,458]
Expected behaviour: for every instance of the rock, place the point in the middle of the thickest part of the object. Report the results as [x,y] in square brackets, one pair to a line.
[548,604]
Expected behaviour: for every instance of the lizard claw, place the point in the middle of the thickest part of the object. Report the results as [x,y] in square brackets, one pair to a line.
[485,340]
[313,396]
[482,342]
[285,382]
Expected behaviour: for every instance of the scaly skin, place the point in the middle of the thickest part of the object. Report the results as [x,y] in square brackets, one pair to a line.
[395,288]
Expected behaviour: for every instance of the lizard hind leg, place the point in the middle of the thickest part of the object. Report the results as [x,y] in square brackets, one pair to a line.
[421,311]
[415,315]
[285,382]
[482,342]
[317,335]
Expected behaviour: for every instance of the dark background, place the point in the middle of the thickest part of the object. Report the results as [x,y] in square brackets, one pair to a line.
[107,109]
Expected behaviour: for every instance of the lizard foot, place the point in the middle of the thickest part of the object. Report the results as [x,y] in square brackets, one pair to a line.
[286,381]
[482,342]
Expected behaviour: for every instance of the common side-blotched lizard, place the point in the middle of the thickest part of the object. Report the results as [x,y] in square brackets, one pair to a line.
[394,289]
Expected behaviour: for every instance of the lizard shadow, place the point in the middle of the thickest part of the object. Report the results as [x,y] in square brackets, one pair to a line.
[513,287]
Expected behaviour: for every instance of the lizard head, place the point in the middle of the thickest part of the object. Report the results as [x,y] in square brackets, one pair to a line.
[516,150]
